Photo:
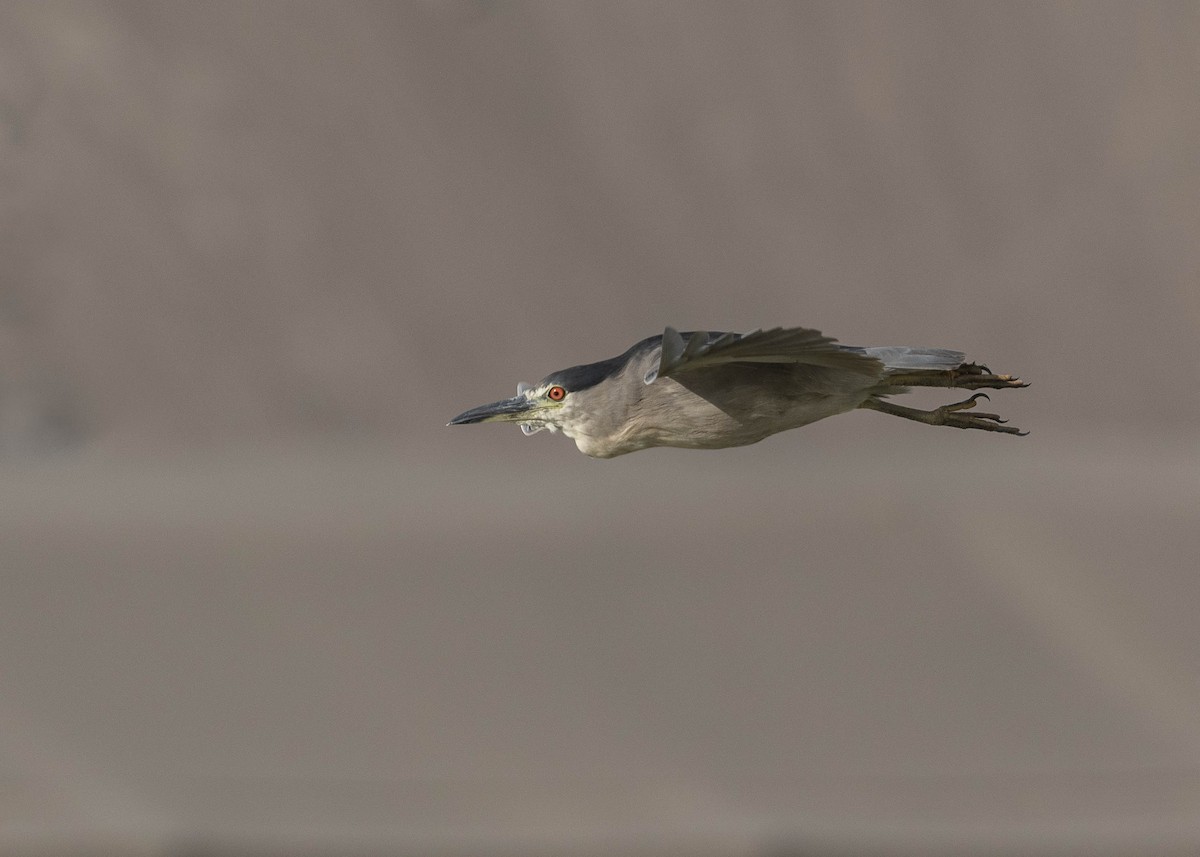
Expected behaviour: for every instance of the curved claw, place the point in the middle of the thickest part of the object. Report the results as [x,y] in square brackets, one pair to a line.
[965,404]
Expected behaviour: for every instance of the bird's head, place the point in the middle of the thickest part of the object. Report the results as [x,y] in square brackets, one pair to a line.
[575,401]
[535,407]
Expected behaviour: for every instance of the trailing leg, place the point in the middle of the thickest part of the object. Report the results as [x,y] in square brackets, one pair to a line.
[946,415]
[968,376]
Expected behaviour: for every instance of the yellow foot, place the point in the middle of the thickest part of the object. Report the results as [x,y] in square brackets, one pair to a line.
[972,376]
[950,415]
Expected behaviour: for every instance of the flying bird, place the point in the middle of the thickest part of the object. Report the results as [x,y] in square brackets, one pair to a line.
[703,390]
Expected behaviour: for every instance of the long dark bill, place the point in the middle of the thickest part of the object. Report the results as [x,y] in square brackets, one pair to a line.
[509,410]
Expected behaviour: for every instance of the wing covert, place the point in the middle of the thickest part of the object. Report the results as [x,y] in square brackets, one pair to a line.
[687,352]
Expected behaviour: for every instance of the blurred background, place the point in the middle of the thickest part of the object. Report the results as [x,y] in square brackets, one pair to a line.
[256,598]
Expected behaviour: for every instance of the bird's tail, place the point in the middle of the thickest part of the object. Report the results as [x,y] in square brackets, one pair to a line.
[900,358]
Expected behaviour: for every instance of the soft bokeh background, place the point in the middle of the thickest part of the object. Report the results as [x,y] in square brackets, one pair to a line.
[255,598]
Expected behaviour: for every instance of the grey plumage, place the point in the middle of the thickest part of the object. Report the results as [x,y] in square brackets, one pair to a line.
[711,390]
[895,357]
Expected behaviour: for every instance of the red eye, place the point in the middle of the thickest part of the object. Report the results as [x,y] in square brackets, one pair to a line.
[556,394]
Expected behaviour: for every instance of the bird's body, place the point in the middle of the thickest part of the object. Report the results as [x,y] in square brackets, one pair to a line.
[712,390]
[730,404]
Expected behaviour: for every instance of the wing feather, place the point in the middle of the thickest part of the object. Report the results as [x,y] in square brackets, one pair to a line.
[686,352]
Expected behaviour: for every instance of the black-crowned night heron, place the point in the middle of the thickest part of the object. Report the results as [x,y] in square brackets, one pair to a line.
[710,390]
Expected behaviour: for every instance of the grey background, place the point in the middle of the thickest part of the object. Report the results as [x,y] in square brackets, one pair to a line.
[256,598]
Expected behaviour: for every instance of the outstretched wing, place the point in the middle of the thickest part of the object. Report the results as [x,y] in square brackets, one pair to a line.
[687,352]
